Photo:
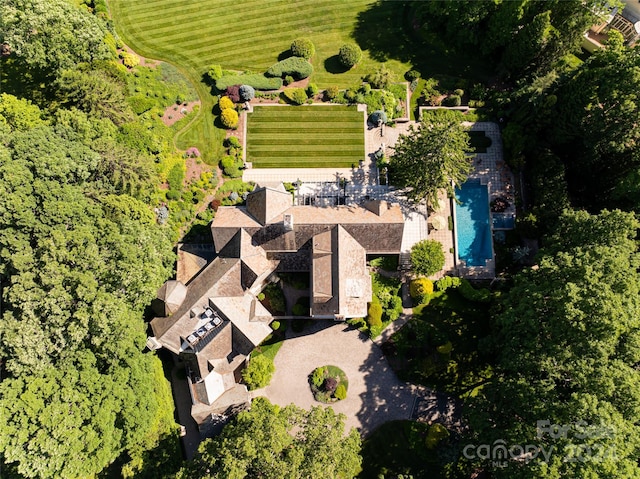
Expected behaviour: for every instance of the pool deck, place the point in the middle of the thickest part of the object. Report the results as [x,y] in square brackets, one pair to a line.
[491,170]
[363,182]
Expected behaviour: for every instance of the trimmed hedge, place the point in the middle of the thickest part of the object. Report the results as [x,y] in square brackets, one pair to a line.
[297,67]
[295,95]
[482,295]
[256,80]
[374,317]
[447,282]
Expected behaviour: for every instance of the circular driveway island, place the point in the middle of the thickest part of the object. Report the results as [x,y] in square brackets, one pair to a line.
[375,393]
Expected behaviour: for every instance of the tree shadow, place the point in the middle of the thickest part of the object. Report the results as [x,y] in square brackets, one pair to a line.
[333,65]
[284,55]
[388,30]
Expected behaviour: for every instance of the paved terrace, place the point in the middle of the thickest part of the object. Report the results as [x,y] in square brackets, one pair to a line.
[363,183]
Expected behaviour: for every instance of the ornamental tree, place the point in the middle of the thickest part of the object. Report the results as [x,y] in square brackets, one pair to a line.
[427,257]
[229,118]
[271,441]
[432,157]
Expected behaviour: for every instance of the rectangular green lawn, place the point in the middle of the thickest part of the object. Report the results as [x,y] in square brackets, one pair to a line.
[305,137]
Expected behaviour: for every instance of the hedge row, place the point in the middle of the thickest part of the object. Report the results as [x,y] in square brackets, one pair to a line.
[297,67]
[256,80]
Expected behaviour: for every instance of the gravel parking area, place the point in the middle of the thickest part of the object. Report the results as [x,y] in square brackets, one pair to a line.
[375,394]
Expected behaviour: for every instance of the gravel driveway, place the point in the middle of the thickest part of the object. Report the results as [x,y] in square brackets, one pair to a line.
[375,394]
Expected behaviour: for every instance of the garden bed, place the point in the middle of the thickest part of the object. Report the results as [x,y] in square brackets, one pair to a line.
[328,384]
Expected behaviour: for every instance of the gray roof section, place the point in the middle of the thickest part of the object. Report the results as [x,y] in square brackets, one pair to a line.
[265,204]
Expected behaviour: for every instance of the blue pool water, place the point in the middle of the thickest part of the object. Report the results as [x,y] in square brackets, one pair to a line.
[473,224]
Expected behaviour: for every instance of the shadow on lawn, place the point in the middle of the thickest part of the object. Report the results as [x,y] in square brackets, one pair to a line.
[333,65]
[387,30]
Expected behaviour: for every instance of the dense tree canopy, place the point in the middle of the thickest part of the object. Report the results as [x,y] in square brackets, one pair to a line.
[595,124]
[568,348]
[79,260]
[52,35]
[273,442]
[431,157]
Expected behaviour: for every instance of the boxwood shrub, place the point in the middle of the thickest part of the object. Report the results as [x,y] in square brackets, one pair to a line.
[256,80]
[297,67]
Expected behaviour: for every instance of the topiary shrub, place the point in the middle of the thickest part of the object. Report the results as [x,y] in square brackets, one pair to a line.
[341,392]
[296,96]
[349,55]
[312,90]
[259,372]
[275,325]
[420,289]
[229,118]
[427,257]
[129,60]
[331,93]
[246,93]
[459,92]
[225,102]
[214,72]
[288,80]
[452,100]
[303,47]
[374,315]
[297,67]
[261,296]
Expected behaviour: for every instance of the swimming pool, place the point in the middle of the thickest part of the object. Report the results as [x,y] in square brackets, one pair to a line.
[473,224]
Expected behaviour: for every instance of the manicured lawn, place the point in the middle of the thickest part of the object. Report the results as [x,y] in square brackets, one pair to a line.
[249,35]
[440,346]
[305,137]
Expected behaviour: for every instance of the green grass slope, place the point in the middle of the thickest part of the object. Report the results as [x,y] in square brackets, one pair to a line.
[247,35]
[305,137]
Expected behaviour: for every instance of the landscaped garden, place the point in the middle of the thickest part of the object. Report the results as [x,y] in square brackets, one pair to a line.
[305,137]
[442,345]
[328,384]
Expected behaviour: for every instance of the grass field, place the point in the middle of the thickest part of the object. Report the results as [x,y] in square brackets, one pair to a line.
[247,35]
[305,137]
[253,34]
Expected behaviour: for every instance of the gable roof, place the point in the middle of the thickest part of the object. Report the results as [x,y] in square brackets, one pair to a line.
[266,203]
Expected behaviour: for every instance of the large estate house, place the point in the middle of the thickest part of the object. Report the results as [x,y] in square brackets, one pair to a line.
[215,320]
